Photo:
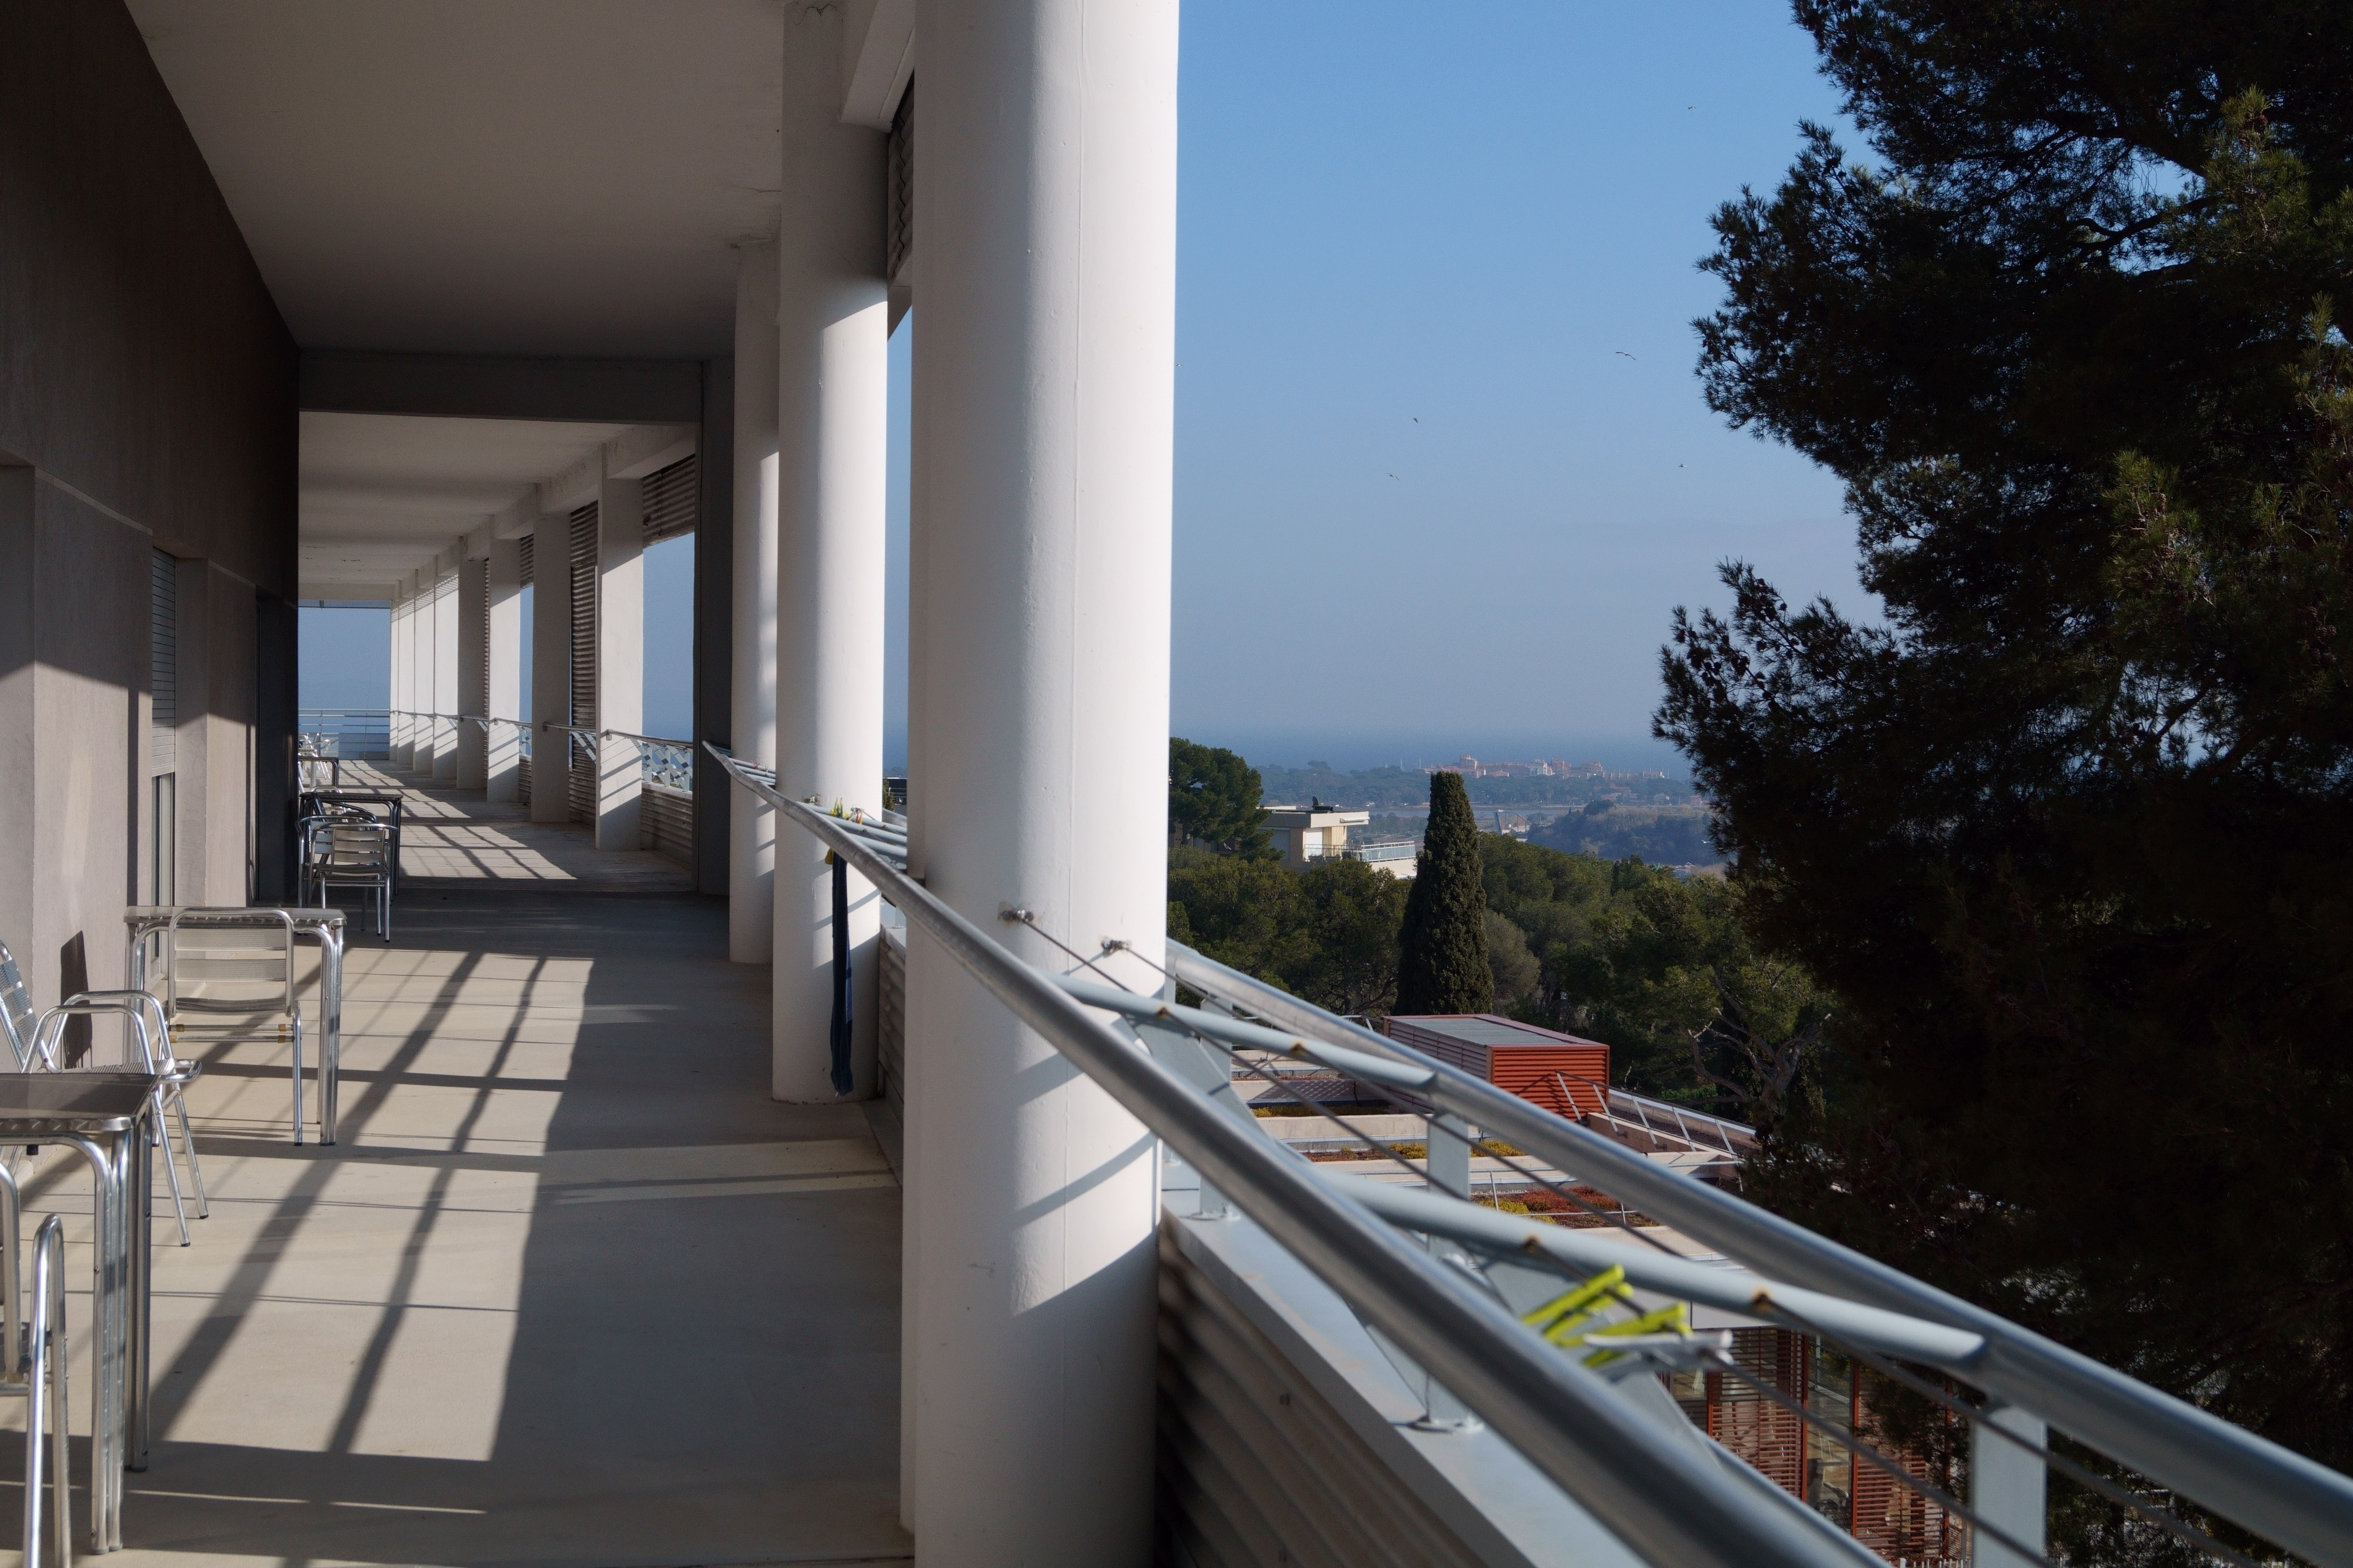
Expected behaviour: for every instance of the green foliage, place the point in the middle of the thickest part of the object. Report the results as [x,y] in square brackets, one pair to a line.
[2070,835]
[1648,964]
[1442,949]
[1327,933]
[1662,836]
[1213,799]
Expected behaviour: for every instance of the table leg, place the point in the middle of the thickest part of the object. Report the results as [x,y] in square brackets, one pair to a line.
[107,1278]
[140,1194]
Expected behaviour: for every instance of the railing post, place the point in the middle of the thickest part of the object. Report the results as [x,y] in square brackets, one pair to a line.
[2007,1485]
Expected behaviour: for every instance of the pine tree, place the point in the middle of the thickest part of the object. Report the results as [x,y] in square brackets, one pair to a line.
[2068,833]
[1442,948]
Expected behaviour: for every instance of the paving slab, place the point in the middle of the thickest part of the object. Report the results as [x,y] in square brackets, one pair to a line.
[571,1290]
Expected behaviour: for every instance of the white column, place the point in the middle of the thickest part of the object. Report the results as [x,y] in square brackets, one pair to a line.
[832,435]
[502,749]
[404,674]
[473,609]
[621,660]
[1046,190]
[421,638]
[752,716]
[445,665]
[550,668]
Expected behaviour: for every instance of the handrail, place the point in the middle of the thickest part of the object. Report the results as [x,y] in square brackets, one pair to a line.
[2272,1490]
[1670,1504]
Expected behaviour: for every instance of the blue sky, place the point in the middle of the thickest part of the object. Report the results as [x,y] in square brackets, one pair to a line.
[1455,247]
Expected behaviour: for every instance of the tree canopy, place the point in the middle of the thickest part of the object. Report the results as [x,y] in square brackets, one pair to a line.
[1213,799]
[2069,835]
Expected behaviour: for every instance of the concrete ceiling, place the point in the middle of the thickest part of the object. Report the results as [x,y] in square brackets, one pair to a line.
[487,176]
[382,494]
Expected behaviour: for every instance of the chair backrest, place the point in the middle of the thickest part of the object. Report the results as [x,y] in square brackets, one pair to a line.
[16,1015]
[359,847]
[229,961]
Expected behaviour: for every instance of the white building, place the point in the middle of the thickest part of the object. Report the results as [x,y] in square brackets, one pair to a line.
[1306,834]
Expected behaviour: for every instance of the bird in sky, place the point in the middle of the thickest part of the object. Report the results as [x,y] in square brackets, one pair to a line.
[1394,476]
[1622,353]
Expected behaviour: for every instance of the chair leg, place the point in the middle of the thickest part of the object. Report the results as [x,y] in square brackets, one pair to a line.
[195,1172]
[171,1167]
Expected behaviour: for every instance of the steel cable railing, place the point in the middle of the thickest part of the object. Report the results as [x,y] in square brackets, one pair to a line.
[2256,1484]
[1669,1501]
[1831,1292]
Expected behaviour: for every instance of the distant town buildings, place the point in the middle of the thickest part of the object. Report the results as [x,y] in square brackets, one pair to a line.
[1543,767]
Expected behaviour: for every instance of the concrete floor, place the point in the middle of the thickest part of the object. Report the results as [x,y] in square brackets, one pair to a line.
[453,838]
[571,1290]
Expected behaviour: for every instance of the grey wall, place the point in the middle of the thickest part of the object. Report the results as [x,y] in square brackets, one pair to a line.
[147,400]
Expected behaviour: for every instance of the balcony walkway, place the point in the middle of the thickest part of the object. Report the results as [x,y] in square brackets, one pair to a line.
[571,1290]
[453,839]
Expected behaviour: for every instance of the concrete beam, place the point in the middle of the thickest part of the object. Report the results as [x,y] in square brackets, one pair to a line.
[644,448]
[878,59]
[485,386]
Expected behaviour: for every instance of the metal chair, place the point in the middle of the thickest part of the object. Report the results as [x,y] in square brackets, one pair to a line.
[18,1019]
[220,962]
[155,1051]
[349,850]
[36,1369]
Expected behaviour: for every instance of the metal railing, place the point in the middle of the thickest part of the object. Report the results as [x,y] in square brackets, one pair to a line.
[354,733]
[1669,1496]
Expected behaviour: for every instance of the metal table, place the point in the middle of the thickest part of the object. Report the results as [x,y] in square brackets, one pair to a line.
[390,799]
[334,765]
[104,1115]
[322,926]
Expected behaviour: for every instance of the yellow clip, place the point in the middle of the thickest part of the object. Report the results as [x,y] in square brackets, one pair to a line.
[1575,1317]
[1667,1320]
[1559,1318]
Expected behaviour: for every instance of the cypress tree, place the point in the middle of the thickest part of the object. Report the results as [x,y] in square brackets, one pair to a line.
[1442,948]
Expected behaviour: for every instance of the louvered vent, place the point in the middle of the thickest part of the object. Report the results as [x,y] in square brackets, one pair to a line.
[526,542]
[163,664]
[583,781]
[899,198]
[669,495]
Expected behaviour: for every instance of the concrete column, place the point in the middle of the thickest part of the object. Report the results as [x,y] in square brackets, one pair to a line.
[751,722]
[446,574]
[621,660]
[832,435]
[502,606]
[551,667]
[423,626]
[1044,371]
[404,659]
[473,609]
